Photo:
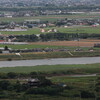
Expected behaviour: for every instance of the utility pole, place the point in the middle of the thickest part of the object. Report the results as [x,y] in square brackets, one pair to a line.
[77,38]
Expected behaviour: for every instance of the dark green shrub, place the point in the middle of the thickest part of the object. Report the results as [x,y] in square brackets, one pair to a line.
[98,98]
[11,75]
[3,76]
[9,59]
[17,86]
[87,94]
[4,84]
[45,90]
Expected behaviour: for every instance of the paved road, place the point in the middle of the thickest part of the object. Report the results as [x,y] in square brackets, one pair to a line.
[83,60]
[85,75]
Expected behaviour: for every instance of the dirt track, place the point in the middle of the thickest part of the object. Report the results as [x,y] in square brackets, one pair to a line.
[81,43]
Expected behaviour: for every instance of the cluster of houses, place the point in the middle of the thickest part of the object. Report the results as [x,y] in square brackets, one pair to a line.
[17,14]
[44,12]
[6,50]
[97,45]
[9,50]
[22,26]
[37,82]
[71,22]
[50,30]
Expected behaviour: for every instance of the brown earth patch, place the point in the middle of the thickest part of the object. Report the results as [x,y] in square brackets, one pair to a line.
[89,40]
[81,43]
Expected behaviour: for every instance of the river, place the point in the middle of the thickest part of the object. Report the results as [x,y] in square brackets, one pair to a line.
[56,61]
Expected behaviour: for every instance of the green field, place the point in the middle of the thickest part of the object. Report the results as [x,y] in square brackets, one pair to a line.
[77,29]
[80,29]
[46,97]
[29,31]
[43,97]
[72,29]
[68,79]
[31,46]
[52,17]
[86,68]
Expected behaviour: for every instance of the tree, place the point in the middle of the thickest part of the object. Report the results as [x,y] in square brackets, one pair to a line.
[4,84]
[6,48]
[17,86]
[87,94]
[45,90]
[11,75]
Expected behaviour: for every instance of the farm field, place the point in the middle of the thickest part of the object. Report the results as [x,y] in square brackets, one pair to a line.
[71,79]
[72,45]
[81,43]
[70,29]
[28,32]
[45,97]
[30,46]
[68,46]
[80,29]
[85,45]
[52,17]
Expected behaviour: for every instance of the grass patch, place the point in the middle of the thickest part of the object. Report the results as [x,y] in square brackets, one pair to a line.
[45,55]
[30,46]
[29,31]
[64,69]
[51,17]
[73,29]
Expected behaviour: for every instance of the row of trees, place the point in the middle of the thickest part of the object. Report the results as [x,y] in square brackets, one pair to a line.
[54,36]
[50,7]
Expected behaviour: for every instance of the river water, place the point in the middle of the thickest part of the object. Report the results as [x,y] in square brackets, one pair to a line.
[83,60]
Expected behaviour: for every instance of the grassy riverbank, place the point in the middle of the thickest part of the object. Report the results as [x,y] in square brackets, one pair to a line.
[56,69]
[45,55]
